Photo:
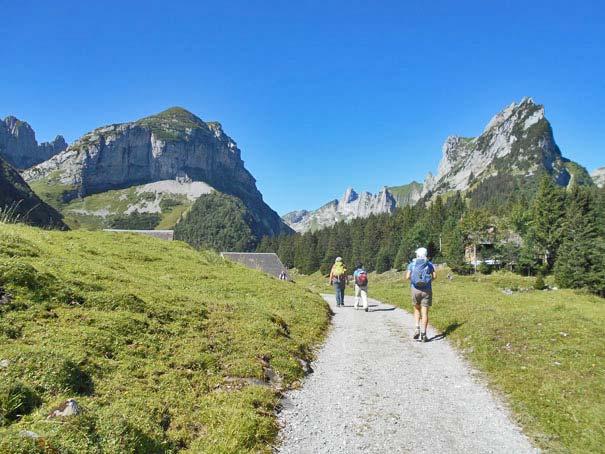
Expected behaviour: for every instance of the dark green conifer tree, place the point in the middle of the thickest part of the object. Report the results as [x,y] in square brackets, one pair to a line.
[547,216]
[581,258]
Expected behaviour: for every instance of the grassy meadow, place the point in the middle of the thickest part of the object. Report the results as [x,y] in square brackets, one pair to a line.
[165,349]
[543,350]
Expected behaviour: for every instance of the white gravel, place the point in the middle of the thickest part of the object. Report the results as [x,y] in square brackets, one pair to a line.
[375,390]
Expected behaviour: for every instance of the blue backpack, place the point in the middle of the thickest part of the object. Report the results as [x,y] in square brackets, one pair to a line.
[421,274]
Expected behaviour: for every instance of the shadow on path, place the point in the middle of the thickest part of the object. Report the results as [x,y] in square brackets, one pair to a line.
[447,331]
[383,309]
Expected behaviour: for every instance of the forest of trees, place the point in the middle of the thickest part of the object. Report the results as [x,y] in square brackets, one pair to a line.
[547,230]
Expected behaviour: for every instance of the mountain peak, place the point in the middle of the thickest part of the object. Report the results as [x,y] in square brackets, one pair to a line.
[525,108]
[349,196]
[173,117]
[516,144]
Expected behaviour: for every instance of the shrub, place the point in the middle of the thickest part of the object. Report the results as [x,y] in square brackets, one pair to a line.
[484,268]
[16,400]
[465,269]
[539,284]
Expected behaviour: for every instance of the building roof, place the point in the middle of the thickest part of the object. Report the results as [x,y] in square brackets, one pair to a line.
[266,262]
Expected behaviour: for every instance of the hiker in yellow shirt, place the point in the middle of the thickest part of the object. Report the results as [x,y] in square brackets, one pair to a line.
[338,278]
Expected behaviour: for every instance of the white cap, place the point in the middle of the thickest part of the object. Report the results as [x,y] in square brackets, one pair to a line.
[339,259]
[421,253]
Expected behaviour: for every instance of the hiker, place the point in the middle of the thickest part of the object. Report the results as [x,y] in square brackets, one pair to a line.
[421,273]
[338,278]
[361,286]
[283,276]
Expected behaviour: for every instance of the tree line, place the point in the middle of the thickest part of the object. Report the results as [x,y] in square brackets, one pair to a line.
[546,230]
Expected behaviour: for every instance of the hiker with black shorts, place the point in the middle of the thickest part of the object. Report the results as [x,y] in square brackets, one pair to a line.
[360,276]
[421,274]
[338,278]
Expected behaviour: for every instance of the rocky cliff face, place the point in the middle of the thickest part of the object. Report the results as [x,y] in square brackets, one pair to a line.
[598,176]
[517,142]
[21,203]
[351,206]
[19,147]
[174,144]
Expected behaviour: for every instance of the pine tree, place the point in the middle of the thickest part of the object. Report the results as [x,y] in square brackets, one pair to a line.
[453,245]
[548,211]
[383,260]
[581,258]
[474,225]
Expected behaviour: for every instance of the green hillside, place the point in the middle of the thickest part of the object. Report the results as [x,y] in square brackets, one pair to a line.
[114,209]
[402,193]
[166,349]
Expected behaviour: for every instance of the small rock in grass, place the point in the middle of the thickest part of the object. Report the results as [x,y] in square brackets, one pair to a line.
[5,298]
[507,291]
[557,363]
[29,434]
[4,363]
[306,366]
[68,408]
[564,334]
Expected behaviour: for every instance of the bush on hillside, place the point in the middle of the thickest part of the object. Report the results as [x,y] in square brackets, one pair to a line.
[218,221]
[135,221]
[16,400]
[484,268]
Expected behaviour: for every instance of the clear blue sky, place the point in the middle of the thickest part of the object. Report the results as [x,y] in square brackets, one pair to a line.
[319,95]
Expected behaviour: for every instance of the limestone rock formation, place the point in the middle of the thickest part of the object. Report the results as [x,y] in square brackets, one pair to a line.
[19,147]
[517,143]
[598,176]
[351,206]
[172,145]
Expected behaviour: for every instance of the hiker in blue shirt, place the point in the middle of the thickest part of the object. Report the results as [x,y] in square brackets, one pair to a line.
[421,273]
[361,286]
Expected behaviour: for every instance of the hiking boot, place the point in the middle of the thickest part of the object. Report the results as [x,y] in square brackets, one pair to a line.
[416,333]
[423,338]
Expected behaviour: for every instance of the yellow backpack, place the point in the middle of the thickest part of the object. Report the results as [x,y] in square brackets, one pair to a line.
[338,269]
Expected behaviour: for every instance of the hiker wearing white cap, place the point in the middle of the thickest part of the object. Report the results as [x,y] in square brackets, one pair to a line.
[421,274]
[338,278]
[360,276]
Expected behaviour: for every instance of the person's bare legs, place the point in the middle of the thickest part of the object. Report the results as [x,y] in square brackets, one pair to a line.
[417,320]
[425,318]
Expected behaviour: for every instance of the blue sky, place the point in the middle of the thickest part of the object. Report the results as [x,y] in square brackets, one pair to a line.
[318,95]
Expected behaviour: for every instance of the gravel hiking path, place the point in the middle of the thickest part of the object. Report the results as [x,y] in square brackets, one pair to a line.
[376,390]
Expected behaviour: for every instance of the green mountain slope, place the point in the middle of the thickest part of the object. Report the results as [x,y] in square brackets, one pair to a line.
[407,194]
[17,198]
[165,349]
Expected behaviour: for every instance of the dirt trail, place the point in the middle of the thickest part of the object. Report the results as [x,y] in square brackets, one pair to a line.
[375,390]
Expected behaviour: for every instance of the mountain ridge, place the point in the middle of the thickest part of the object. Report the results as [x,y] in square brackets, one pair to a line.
[19,147]
[517,142]
[515,147]
[174,144]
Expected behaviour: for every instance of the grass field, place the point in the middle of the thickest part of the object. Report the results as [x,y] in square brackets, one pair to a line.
[166,349]
[543,350]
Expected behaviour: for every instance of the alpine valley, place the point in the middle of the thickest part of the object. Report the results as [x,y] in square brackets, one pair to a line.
[516,147]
